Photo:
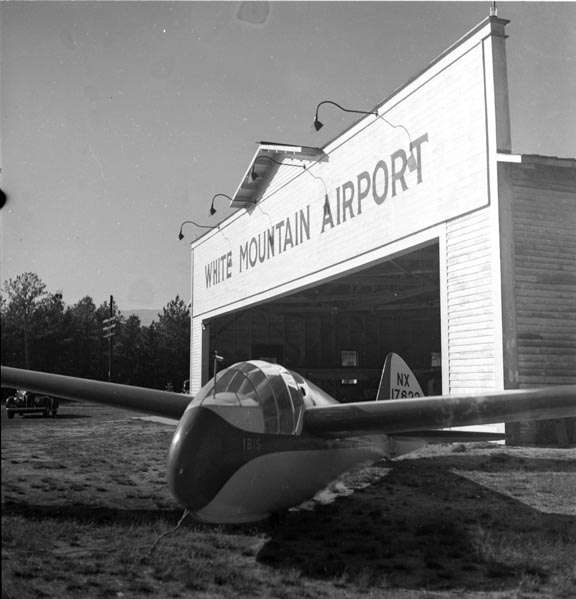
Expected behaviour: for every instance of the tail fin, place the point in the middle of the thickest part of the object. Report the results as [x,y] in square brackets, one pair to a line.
[397,380]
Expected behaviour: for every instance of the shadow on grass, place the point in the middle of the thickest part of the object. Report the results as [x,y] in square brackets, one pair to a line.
[104,516]
[422,526]
[89,514]
[500,461]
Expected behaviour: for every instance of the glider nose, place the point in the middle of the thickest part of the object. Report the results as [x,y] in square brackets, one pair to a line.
[194,460]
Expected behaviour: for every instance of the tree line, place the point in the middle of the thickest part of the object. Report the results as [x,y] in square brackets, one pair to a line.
[40,332]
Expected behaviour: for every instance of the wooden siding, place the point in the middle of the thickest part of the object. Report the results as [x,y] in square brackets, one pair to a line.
[470,304]
[544,237]
[543,201]
[196,355]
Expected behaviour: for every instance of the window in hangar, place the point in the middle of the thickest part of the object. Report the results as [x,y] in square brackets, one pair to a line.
[337,334]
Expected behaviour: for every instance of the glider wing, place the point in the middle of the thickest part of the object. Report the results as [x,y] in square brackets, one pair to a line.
[140,399]
[420,414]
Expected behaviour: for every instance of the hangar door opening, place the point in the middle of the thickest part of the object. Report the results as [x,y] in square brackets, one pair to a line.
[337,334]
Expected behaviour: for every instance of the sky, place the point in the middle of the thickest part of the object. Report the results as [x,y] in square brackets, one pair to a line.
[120,120]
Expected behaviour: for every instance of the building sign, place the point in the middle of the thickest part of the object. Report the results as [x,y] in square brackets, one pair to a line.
[387,178]
[422,163]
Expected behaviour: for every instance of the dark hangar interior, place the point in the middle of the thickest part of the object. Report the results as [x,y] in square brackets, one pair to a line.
[338,333]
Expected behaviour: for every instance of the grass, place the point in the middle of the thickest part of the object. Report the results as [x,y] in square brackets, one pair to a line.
[545,561]
[85,506]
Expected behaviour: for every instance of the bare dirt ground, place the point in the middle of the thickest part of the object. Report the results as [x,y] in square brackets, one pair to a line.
[84,502]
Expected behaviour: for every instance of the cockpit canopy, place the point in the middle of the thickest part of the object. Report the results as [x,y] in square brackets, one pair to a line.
[271,395]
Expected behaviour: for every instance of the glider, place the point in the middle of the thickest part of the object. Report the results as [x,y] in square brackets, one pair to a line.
[258,438]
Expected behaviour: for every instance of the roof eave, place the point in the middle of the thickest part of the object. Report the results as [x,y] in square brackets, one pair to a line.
[249,190]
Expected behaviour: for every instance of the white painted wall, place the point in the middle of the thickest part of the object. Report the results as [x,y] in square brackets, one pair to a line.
[448,117]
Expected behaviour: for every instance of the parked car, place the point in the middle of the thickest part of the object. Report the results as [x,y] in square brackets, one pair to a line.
[25,402]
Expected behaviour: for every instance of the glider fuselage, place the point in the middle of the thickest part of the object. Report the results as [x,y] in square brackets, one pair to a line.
[225,474]
[240,452]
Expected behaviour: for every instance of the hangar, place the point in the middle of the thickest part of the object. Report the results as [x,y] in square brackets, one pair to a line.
[417,230]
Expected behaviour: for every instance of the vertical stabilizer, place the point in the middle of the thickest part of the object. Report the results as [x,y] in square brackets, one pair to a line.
[397,381]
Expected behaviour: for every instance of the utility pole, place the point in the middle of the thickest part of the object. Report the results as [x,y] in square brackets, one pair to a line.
[108,326]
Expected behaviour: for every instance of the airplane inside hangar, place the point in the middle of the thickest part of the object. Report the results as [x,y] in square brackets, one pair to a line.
[337,333]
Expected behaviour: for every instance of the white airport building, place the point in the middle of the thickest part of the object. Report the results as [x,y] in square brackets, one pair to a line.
[417,230]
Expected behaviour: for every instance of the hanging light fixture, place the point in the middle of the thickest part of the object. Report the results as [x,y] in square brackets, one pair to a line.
[212,209]
[181,235]
[318,125]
